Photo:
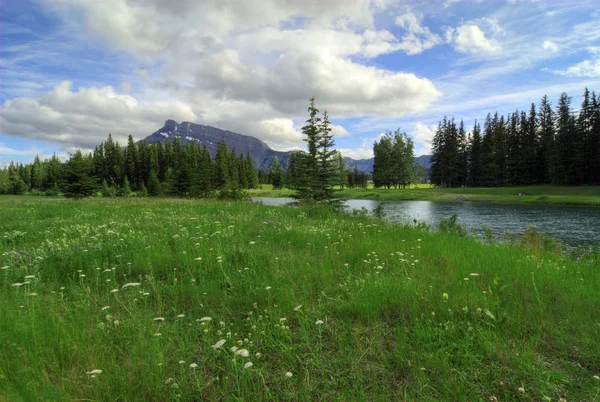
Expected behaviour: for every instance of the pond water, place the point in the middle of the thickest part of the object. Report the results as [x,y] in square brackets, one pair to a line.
[571,225]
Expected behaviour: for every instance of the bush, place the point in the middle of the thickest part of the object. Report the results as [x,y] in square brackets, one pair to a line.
[452,226]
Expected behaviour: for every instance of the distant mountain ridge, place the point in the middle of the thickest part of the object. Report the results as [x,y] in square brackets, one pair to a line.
[261,153]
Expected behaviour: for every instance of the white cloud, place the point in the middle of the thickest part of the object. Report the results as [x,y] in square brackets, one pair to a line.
[587,68]
[417,38]
[550,46]
[364,151]
[84,117]
[249,67]
[423,135]
[6,151]
[469,38]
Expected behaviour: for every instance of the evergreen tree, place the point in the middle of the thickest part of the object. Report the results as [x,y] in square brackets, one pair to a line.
[78,179]
[488,165]
[276,174]
[565,133]
[154,188]
[546,155]
[475,156]
[251,172]
[131,162]
[317,178]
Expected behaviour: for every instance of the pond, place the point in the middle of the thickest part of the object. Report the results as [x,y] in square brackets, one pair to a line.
[572,225]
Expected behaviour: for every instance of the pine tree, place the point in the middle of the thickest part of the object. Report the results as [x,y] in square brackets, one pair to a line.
[78,179]
[488,165]
[251,172]
[318,176]
[462,161]
[276,174]
[546,155]
[154,188]
[475,156]
[131,162]
[565,128]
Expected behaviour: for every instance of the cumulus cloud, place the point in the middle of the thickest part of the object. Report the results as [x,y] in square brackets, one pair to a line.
[423,136]
[417,37]
[587,68]
[550,46]
[85,116]
[249,67]
[469,38]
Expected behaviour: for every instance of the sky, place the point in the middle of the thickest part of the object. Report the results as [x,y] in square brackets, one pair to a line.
[72,71]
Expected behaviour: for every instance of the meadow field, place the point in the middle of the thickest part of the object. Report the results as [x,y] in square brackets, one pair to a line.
[181,300]
[541,194]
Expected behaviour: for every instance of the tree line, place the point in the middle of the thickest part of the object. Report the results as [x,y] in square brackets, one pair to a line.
[541,146]
[176,169]
[156,169]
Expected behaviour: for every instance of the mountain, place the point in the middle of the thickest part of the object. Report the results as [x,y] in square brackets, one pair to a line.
[261,153]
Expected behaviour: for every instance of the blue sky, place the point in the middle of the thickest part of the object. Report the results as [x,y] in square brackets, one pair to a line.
[71,71]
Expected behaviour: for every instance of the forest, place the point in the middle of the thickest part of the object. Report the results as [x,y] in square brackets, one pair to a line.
[542,146]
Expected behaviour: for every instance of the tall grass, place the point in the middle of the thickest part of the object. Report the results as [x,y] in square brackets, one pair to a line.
[158,294]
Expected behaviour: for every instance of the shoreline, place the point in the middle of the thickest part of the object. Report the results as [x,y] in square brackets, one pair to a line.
[538,195]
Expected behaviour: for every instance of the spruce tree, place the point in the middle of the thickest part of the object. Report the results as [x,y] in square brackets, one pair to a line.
[276,174]
[318,174]
[78,180]
[475,156]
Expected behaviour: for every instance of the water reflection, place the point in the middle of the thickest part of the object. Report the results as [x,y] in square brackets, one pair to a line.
[568,224]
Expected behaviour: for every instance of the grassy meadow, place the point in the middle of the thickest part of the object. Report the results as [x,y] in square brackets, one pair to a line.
[564,195]
[166,300]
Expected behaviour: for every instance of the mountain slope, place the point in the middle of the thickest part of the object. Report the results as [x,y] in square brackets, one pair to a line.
[261,153]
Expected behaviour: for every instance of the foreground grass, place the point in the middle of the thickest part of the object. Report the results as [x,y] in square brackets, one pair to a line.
[584,195]
[353,308]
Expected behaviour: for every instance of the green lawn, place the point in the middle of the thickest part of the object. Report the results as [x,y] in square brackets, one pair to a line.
[156,293]
[582,195]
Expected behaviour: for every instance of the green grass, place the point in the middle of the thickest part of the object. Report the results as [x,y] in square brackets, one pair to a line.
[528,319]
[577,195]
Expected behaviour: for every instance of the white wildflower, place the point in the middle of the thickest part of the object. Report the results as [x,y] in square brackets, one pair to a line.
[30,277]
[198,259]
[219,344]
[298,307]
[131,284]
[234,349]
[473,274]
[252,242]
[205,319]
[159,319]
[181,316]
[282,319]
[181,361]
[268,288]
[104,308]
[114,291]
[319,322]
[258,355]
[158,334]
[94,372]
[445,296]
[248,365]
[242,352]
[193,365]
[289,374]
[597,377]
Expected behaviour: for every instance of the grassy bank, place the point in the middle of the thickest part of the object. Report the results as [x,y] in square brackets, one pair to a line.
[156,293]
[584,195]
